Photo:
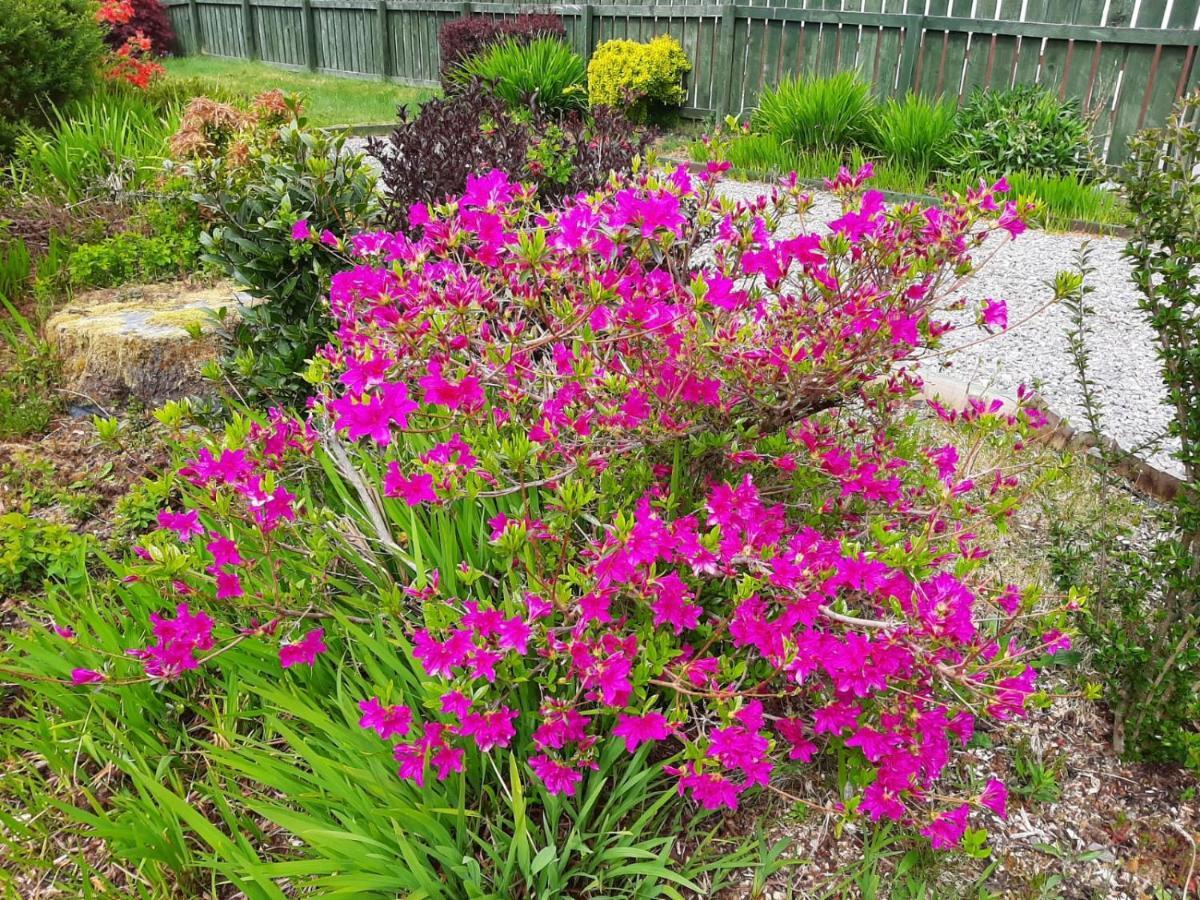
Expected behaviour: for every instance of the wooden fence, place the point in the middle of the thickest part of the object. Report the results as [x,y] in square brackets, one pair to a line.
[1126,61]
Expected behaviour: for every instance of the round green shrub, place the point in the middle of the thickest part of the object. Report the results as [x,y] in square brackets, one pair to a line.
[639,78]
[1025,129]
[49,51]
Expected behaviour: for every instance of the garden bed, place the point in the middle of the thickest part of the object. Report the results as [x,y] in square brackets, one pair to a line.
[586,534]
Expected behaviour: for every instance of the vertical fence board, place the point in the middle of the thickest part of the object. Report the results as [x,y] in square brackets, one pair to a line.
[868,49]
[979,48]
[932,55]
[1029,49]
[958,46]
[789,51]
[887,53]
[1141,69]
[1002,49]
[734,36]
[1111,82]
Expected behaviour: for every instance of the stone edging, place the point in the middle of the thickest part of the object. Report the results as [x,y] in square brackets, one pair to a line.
[1059,435]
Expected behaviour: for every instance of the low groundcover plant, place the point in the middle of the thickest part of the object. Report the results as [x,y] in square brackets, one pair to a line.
[646,469]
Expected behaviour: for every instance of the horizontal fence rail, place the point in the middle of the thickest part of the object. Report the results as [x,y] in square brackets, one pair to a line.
[1124,61]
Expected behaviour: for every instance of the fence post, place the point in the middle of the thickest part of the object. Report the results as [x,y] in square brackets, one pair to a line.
[248,30]
[585,31]
[309,29]
[194,15]
[383,44]
[910,56]
[724,67]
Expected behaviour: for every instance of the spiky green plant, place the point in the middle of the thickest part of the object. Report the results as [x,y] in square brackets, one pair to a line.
[102,146]
[752,156]
[916,133]
[545,71]
[281,789]
[817,113]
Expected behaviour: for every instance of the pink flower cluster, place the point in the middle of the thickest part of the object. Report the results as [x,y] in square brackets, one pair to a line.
[178,641]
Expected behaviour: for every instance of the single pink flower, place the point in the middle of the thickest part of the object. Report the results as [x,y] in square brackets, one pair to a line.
[186,525]
[413,490]
[386,721]
[638,730]
[306,650]
[995,314]
[558,778]
[947,828]
[995,797]
[87,676]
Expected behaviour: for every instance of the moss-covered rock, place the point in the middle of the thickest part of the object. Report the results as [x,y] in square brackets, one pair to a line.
[141,342]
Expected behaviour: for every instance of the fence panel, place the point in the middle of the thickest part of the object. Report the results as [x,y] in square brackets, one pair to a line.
[278,32]
[1124,61]
[221,30]
[181,24]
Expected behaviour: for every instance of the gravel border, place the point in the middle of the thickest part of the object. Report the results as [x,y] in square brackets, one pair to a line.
[1123,364]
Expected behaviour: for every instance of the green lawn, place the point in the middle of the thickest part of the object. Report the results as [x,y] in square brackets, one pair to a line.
[329,99]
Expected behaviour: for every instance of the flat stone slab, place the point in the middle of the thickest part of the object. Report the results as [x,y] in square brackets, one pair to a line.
[144,343]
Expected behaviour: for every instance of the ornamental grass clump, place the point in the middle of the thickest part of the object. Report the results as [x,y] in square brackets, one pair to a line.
[544,72]
[834,113]
[630,473]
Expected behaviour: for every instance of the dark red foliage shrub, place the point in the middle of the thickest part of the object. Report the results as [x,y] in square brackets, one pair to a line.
[428,157]
[528,26]
[151,19]
[460,39]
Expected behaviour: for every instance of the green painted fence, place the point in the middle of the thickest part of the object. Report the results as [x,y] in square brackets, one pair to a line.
[1126,61]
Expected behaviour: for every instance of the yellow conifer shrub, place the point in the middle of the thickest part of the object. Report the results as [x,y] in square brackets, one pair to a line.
[637,77]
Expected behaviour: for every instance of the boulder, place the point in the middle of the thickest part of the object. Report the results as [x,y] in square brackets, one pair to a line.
[145,343]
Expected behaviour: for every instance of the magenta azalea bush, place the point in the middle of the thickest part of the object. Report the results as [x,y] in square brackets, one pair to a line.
[651,468]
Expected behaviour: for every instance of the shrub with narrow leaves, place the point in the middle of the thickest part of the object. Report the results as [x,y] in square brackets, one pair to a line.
[1024,129]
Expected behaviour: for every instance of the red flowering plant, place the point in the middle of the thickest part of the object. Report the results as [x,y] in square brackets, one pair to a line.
[133,61]
[647,470]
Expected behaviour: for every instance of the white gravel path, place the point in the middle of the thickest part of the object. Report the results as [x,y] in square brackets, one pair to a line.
[1123,364]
